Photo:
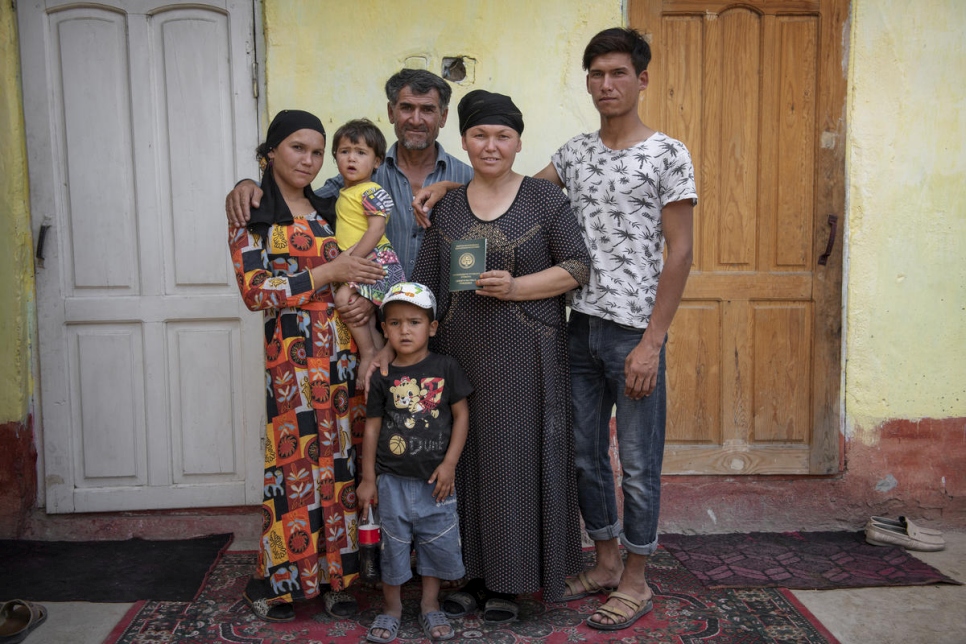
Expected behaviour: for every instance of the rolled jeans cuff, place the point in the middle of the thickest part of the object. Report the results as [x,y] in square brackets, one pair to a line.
[612,531]
[645,550]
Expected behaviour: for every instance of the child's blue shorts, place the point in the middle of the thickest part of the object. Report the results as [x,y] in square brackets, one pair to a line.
[409,514]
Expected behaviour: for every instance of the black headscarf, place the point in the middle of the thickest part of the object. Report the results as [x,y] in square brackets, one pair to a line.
[481,107]
[273,209]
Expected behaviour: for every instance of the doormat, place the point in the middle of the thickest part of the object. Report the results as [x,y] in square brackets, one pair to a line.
[684,611]
[799,560]
[108,571]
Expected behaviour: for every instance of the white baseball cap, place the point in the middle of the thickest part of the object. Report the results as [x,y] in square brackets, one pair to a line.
[411,293]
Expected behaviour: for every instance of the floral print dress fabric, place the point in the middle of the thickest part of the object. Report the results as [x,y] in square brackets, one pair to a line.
[315,418]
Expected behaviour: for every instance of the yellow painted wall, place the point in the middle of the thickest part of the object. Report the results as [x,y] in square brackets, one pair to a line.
[528,49]
[16,262]
[906,280]
[906,289]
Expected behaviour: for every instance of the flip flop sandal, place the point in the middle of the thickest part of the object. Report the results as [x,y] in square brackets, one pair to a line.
[435,619]
[589,586]
[386,623]
[500,611]
[18,618]
[622,618]
[458,604]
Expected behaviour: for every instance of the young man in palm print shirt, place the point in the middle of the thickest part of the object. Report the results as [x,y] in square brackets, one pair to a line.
[633,191]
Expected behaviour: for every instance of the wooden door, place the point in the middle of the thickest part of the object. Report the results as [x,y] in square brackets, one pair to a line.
[756,90]
[139,116]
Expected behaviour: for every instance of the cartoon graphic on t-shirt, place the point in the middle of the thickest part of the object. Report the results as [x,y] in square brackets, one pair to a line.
[419,398]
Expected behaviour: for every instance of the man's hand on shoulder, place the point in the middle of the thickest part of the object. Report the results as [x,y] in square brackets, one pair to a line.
[238,204]
[427,197]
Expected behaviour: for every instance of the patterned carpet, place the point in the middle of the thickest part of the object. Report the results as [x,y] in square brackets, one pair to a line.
[799,560]
[685,612]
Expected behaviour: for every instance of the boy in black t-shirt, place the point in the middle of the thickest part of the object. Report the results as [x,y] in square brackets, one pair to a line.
[416,424]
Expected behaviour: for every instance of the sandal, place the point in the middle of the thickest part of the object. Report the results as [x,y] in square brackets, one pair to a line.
[17,618]
[435,619]
[500,611]
[256,597]
[458,604]
[452,584]
[621,617]
[341,605]
[383,622]
[581,586]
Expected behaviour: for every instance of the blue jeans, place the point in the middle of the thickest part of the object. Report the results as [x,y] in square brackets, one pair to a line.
[598,349]
[409,514]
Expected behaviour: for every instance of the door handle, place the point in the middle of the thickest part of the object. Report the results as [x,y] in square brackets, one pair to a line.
[41,238]
[833,223]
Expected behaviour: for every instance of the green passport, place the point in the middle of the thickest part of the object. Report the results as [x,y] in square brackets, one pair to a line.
[467,259]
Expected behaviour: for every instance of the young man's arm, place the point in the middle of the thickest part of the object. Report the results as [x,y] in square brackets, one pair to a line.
[445,474]
[550,174]
[640,367]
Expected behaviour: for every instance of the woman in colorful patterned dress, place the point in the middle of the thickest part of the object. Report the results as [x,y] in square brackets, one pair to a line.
[285,261]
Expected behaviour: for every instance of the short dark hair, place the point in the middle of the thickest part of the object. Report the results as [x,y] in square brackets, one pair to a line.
[420,82]
[621,41]
[361,130]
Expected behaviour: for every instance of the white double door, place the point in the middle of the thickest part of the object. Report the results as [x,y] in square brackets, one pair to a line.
[140,115]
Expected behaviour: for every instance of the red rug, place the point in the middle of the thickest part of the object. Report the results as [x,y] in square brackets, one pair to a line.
[799,560]
[685,611]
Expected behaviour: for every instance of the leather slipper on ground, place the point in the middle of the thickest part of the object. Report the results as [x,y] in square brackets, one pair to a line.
[458,604]
[621,617]
[18,618]
[500,611]
[581,586]
[905,524]
[911,538]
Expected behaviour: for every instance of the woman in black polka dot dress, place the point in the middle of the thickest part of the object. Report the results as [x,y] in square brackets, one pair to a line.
[516,485]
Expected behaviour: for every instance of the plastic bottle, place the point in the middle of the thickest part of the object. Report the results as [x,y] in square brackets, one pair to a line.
[369,538]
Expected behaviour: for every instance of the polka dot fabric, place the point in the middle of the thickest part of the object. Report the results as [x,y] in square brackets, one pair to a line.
[515,481]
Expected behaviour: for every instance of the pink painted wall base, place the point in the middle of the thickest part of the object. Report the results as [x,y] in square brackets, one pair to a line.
[913,468]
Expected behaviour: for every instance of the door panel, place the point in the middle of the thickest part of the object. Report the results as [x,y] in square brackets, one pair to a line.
[756,90]
[137,114]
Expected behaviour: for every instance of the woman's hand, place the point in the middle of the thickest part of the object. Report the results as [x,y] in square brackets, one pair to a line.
[498,284]
[357,312]
[348,268]
[239,202]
